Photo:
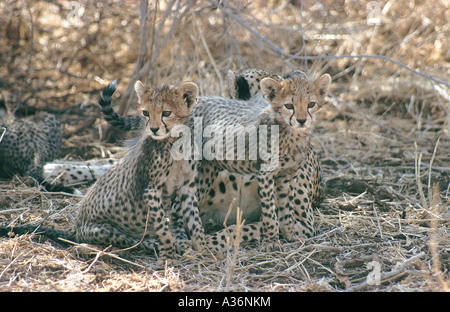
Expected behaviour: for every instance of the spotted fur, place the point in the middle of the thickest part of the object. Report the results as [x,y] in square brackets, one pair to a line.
[302,190]
[244,85]
[74,173]
[25,146]
[125,207]
[292,104]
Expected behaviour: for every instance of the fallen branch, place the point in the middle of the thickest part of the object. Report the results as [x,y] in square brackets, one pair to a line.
[395,273]
[102,252]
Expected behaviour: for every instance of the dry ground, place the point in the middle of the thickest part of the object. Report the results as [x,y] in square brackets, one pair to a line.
[383,138]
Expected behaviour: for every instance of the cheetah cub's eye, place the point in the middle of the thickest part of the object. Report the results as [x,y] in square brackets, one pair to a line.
[289,106]
[145,113]
[311,104]
[166,113]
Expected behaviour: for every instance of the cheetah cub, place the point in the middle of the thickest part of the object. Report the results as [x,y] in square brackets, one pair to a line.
[117,209]
[125,207]
[25,146]
[290,107]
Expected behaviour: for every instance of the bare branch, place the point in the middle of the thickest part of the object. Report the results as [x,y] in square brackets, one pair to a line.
[144,34]
[127,97]
[277,49]
[211,58]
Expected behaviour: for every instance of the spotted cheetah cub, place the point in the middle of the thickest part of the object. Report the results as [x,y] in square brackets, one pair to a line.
[25,146]
[125,207]
[118,207]
[291,107]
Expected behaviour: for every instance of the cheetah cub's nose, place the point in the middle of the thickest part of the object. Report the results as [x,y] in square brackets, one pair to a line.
[154,130]
[301,121]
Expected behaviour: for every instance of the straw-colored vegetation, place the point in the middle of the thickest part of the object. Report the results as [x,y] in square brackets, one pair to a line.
[383,138]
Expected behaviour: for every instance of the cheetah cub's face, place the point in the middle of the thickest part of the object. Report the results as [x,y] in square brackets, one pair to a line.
[164,107]
[295,99]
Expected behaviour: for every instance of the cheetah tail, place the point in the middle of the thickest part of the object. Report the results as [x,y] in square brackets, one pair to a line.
[114,119]
[53,234]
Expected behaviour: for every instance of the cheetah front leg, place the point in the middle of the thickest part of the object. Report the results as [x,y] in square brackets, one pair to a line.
[307,191]
[302,209]
[182,241]
[188,208]
[157,218]
[285,209]
[318,186]
[266,190]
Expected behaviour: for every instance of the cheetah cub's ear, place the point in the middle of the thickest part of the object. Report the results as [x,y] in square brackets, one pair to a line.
[322,85]
[189,94]
[270,88]
[140,90]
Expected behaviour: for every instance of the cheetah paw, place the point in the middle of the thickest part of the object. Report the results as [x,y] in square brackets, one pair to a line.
[198,244]
[163,262]
[271,246]
[182,245]
[287,233]
[298,233]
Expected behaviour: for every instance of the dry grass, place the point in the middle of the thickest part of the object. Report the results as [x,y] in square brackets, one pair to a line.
[384,138]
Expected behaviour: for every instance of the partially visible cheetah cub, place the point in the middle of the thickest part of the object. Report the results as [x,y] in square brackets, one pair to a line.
[244,85]
[25,146]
